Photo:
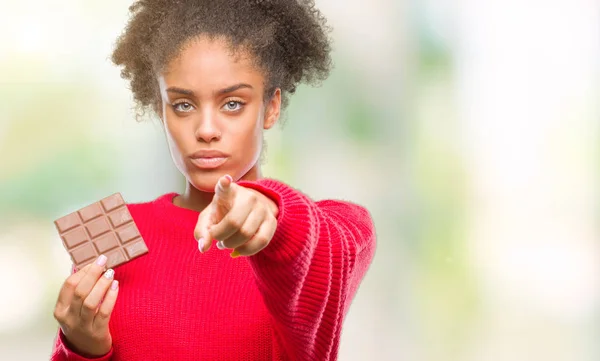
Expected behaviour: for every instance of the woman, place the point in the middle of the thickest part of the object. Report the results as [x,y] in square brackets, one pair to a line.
[283,270]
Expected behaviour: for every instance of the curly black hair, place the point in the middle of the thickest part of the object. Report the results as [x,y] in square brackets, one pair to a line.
[288,38]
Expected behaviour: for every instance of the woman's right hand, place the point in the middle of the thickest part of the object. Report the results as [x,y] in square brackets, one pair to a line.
[84,306]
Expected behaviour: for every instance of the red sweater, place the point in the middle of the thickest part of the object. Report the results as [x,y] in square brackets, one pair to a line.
[287,302]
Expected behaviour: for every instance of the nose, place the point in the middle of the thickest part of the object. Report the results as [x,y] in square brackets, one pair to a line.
[207,129]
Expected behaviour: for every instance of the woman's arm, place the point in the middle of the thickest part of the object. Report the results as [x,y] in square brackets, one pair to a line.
[312,268]
[71,310]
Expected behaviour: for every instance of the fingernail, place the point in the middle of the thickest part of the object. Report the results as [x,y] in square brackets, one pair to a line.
[109,274]
[114,285]
[201,245]
[229,177]
[101,261]
[220,245]
[235,254]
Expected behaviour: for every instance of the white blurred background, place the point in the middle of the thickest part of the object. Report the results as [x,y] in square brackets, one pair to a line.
[468,128]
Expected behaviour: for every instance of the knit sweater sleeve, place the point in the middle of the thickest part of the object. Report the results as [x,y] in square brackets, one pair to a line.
[311,270]
[62,352]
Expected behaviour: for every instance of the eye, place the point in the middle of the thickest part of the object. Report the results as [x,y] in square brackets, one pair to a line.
[232,106]
[183,107]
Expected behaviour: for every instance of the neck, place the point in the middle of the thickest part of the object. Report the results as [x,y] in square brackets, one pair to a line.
[197,200]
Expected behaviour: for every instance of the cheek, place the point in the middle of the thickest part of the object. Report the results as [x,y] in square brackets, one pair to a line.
[248,140]
[253,134]
[176,139]
[177,130]
[170,134]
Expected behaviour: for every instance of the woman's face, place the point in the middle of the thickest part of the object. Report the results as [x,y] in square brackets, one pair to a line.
[214,112]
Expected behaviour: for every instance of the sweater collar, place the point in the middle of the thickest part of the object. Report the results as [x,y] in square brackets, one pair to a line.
[168,211]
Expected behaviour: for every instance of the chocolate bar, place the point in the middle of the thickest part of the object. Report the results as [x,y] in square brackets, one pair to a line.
[105,227]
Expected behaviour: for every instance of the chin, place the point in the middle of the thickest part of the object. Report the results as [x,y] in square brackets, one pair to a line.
[205,181]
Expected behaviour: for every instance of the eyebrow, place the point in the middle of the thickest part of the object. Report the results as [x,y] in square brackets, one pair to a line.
[180,91]
[234,88]
[218,92]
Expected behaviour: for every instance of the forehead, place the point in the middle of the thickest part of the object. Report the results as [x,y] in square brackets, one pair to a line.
[204,62]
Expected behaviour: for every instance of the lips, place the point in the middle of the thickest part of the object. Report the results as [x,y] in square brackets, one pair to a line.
[209,153]
[208,158]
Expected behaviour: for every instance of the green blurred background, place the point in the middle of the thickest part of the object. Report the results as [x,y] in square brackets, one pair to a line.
[468,128]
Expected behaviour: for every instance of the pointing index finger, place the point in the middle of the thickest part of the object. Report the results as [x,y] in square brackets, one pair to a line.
[223,186]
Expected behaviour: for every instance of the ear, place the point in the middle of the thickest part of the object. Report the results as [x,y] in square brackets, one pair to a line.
[273,110]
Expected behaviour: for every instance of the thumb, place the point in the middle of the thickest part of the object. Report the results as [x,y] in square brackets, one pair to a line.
[201,233]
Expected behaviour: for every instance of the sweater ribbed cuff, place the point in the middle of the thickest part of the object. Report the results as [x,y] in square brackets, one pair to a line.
[69,355]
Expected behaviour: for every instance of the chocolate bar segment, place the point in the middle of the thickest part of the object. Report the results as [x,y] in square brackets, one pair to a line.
[105,227]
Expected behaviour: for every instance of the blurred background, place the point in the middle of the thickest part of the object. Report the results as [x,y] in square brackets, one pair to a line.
[468,128]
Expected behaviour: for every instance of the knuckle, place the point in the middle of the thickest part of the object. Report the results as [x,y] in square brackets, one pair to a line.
[266,211]
[246,233]
[96,270]
[89,305]
[261,241]
[253,198]
[71,283]
[59,315]
[103,314]
[79,295]
[235,223]
[272,220]
[247,198]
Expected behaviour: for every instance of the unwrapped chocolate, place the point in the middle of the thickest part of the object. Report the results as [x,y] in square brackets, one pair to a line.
[105,227]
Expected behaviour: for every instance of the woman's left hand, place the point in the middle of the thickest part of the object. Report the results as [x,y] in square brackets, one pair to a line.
[238,218]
